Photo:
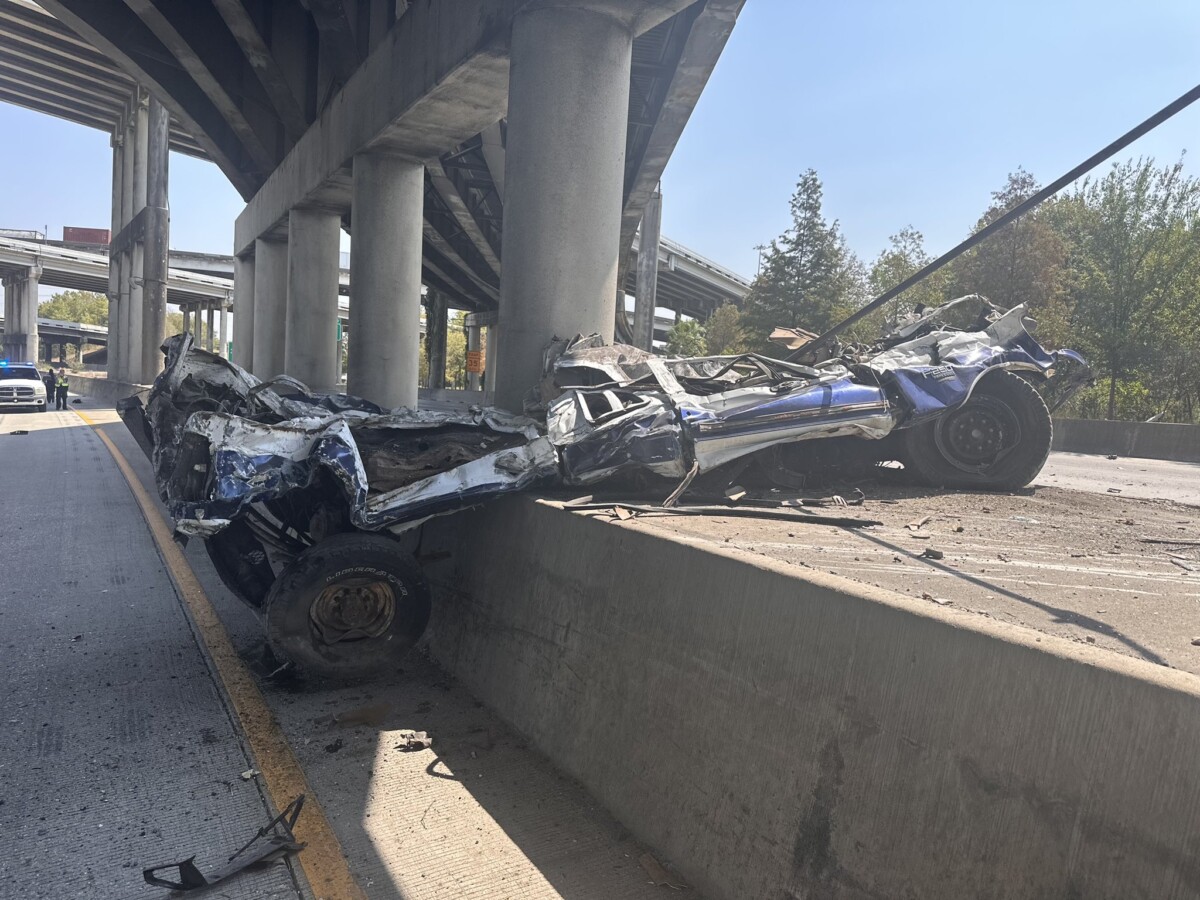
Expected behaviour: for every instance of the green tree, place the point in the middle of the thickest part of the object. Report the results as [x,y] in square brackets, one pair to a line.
[686,338]
[1023,262]
[809,278]
[456,351]
[723,333]
[85,307]
[904,256]
[1134,281]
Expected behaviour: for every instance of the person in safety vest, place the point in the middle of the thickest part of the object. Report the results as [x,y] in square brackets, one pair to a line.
[60,390]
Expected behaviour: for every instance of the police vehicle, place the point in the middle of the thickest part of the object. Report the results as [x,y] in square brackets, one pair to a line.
[21,386]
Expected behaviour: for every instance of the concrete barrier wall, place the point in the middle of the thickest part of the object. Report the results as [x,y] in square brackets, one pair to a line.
[781,734]
[1151,440]
[102,389]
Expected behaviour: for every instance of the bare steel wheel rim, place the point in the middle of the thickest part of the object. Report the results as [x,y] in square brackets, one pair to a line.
[978,435]
[353,610]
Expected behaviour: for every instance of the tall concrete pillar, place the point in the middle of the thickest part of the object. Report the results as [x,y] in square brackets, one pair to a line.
[564,175]
[243,312]
[223,331]
[133,336]
[157,242]
[647,273]
[474,345]
[10,317]
[128,156]
[29,314]
[435,338]
[270,307]
[209,328]
[385,279]
[113,349]
[310,342]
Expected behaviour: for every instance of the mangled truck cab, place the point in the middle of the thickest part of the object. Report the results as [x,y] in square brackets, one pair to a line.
[301,497]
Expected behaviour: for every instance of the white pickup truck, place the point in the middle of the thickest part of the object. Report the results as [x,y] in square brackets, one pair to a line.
[21,385]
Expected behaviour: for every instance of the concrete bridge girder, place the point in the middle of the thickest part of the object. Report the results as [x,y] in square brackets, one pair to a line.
[285,97]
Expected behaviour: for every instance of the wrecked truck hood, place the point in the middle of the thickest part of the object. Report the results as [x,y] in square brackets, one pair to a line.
[222,442]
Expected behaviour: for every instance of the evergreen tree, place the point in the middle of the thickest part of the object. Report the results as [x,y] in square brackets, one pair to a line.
[809,278]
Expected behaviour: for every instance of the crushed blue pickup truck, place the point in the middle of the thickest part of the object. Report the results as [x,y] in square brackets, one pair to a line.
[300,496]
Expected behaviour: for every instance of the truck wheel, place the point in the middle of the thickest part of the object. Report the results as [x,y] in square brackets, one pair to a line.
[997,441]
[351,606]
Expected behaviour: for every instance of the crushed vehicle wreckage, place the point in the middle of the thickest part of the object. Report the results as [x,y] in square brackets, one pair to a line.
[299,496]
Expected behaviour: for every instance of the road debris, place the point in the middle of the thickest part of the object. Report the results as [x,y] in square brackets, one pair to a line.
[411,741]
[337,745]
[918,524]
[940,601]
[659,875]
[1183,563]
[1111,456]
[931,553]
[19,431]
[250,773]
[277,839]
[1196,642]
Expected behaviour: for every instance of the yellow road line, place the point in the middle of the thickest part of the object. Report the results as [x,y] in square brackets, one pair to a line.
[323,860]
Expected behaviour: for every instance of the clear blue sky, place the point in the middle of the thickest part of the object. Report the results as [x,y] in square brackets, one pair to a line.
[911,113]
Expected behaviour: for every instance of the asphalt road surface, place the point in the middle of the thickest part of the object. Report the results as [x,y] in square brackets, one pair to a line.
[121,748]
[1147,479]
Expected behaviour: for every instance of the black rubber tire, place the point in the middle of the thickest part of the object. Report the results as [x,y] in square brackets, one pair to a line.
[341,560]
[999,395]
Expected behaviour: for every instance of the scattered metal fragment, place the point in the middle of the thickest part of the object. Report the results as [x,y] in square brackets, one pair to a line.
[659,875]
[1183,564]
[918,524]
[1196,642]
[1111,456]
[1114,490]
[277,839]
[19,431]
[1172,542]
[411,741]
[931,553]
[734,493]
[674,496]
[622,513]
[731,512]
[250,773]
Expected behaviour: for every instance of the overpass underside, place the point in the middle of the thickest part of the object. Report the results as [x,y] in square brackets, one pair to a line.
[446,137]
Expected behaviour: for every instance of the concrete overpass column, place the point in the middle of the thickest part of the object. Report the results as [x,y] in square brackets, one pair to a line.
[564,177]
[310,342]
[156,243]
[209,329]
[223,331]
[113,348]
[385,279]
[243,312]
[474,345]
[128,154]
[29,313]
[10,316]
[133,336]
[647,273]
[270,307]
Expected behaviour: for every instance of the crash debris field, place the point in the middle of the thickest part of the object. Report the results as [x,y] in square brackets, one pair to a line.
[1121,574]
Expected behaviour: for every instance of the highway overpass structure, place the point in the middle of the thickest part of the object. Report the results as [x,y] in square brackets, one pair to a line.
[201,285]
[446,137]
